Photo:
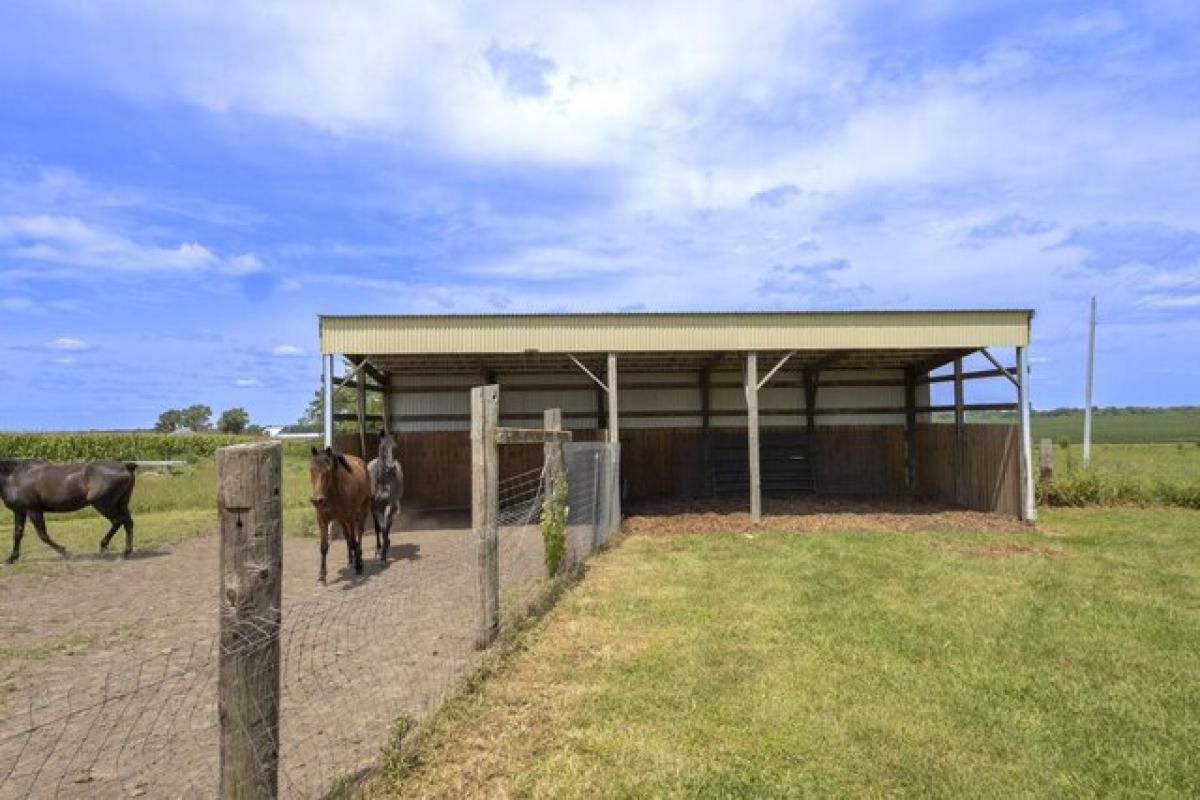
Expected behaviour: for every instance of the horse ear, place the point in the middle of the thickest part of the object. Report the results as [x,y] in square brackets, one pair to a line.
[315,451]
[329,451]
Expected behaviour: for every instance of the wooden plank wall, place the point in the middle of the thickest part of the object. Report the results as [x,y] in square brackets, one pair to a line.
[860,460]
[655,462]
[991,468]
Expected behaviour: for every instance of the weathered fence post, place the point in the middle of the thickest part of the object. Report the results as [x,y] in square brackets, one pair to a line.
[552,451]
[595,501]
[1046,459]
[485,506]
[251,566]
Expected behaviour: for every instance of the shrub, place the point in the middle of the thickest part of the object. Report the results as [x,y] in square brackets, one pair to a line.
[1091,488]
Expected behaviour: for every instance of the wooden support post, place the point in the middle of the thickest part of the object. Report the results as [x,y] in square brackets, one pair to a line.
[614,428]
[1028,498]
[485,506]
[361,413]
[752,437]
[959,435]
[387,403]
[614,439]
[910,429]
[811,377]
[327,405]
[251,551]
[1045,460]
[706,428]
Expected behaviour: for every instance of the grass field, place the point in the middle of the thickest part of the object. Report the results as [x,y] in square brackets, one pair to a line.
[1057,663]
[1168,425]
[1179,462]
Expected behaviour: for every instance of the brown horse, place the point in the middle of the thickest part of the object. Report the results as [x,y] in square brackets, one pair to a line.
[341,493]
[31,488]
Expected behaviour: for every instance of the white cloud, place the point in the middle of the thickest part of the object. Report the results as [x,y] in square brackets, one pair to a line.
[68,343]
[19,304]
[248,383]
[69,240]
[287,351]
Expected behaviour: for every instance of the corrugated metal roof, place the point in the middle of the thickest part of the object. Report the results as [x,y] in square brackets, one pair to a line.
[672,331]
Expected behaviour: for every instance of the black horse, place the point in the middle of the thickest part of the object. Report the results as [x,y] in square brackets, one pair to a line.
[31,488]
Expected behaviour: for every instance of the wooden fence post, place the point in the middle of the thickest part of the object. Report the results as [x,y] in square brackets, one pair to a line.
[1046,460]
[249,478]
[485,506]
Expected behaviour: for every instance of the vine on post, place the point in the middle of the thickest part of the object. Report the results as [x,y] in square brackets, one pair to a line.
[554,523]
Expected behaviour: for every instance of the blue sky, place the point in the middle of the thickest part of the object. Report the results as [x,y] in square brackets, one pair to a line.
[183,190]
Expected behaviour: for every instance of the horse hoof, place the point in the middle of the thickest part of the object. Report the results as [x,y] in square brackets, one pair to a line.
[321,581]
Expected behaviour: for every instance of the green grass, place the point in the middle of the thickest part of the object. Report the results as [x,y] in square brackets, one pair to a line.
[1166,425]
[167,507]
[1179,462]
[1058,663]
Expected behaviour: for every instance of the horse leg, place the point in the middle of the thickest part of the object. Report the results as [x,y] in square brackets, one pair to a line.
[360,526]
[323,526]
[128,536]
[39,525]
[116,526]
[18,532]
[389,517]
[376,523]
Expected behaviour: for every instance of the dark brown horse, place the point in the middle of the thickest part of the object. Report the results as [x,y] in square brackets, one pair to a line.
[32,488]
[341,493]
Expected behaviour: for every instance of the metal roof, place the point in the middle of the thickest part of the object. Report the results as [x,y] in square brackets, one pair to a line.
[458,337]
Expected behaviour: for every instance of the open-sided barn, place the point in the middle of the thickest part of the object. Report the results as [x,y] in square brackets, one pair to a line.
[708,404]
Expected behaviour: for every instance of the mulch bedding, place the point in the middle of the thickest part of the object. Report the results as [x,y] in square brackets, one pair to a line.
[809,515]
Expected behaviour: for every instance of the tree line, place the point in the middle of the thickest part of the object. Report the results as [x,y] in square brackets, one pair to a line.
[198,418]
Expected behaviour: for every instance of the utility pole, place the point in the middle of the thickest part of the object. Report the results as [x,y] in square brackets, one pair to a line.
[1087,402]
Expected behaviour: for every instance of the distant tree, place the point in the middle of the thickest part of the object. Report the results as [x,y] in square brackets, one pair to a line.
[344,402]
[233,420]
[169,421]
[196,418]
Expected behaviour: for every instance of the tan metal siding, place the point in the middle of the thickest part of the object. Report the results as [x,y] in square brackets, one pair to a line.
[669,332]
[581,397]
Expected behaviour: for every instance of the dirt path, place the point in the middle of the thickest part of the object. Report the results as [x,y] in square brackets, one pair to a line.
[108,668]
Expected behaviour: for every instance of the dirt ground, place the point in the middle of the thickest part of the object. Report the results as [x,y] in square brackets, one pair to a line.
[809,515]
[108,668]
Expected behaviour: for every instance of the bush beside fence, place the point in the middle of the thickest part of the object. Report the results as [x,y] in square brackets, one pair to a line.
[1091,488]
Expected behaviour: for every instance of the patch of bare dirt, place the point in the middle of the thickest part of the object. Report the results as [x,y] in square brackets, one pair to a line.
[810,515]
[1005,550]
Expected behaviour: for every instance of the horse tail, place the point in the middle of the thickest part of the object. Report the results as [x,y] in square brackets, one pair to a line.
[131,466]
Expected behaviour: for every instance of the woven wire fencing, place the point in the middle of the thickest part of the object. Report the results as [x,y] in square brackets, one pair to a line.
[359,660]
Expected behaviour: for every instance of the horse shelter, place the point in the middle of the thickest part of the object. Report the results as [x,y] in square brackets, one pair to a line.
[739,406]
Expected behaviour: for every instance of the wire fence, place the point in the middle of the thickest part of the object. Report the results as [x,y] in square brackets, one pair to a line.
[360,659]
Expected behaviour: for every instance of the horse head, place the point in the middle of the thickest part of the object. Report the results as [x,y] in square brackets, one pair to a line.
[323,467]
[387,449]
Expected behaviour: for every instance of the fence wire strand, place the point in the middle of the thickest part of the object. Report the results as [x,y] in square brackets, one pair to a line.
[354,658]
